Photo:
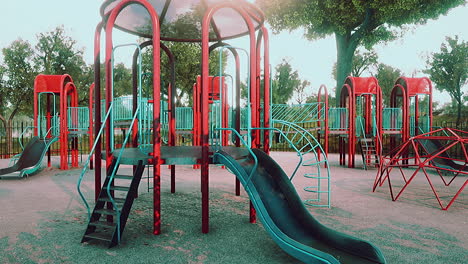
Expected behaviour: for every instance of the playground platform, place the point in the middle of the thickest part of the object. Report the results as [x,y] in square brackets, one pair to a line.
[43,218]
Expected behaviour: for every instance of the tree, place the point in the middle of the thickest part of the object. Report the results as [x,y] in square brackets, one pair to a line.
[122,80]
[387,75]
[284,82]
[448,69]
[3,90]
[57,53]
[361,62]
[300,92]
[352,22]
[16,89]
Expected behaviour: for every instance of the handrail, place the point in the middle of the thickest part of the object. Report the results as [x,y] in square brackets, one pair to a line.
[303,135]
[248,148]
[85,166]
[21,135]
[39,110]
[114,171]
[290,143]
[379,139]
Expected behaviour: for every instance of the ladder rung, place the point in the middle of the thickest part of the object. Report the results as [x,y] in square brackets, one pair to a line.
[314,189]
[105,212]
[316,177]
[126,177]
[99,236]
[312,163]
[103,224]
[118,188]
[106,199]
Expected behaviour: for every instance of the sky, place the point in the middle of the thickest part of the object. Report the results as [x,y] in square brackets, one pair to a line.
[312,59]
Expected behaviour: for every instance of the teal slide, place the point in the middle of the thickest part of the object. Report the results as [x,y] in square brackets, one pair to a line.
[286,219]
[30,159]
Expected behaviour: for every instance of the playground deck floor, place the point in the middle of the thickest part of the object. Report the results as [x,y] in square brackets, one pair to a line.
[42,220]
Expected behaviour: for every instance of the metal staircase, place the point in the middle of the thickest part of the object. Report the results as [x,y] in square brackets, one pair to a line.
[370,157]
[118,193]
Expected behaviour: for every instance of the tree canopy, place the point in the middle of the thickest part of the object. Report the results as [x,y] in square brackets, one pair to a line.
[19,72]
[386,75]
[285,81]
[448,69]
[362,61]
[352,22]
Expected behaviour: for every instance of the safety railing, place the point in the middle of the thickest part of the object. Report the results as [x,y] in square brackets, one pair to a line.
[184,118]
[16,157]
[78,118]
[392,119]
[114,171]
[123,108]
[338,118]
[88,160]
[54,129]
[424,123]
[298,113]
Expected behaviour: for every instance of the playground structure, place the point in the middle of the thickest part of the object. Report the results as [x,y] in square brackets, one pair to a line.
[362,120]
[410,111]
[55,120]
[422,152]
[62,122]
[361,97]
[274,198]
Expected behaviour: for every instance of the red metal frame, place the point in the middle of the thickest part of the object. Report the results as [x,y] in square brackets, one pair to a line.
[63,87]
[399,159]
[97,110]
[156,152]
[326,129]
[204,97]
[200,98]
[367,87]
[407,88]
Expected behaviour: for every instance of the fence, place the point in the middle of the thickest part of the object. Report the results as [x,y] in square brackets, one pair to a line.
[22,134]
[184,137]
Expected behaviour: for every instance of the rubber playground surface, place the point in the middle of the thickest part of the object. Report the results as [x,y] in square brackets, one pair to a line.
[43,219]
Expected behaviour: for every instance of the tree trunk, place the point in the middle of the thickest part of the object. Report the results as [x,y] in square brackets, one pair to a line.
[346,45]
[459,109]
[9,138]
[4,122]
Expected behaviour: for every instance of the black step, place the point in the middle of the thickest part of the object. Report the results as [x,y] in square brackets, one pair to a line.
[116,200]
[102,230]
[99,236]
[117,188]
[105,211]
[126,177]
[103,224]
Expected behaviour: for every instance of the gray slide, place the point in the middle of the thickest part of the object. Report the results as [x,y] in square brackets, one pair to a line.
[432,146]
[285,217]
[30,159]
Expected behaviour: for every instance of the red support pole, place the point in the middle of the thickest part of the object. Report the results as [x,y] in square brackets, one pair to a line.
[266,89]
[156,159]
[97,110]
[36,108]
[325,118]
[205,72]
[48,117]
[91,123]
